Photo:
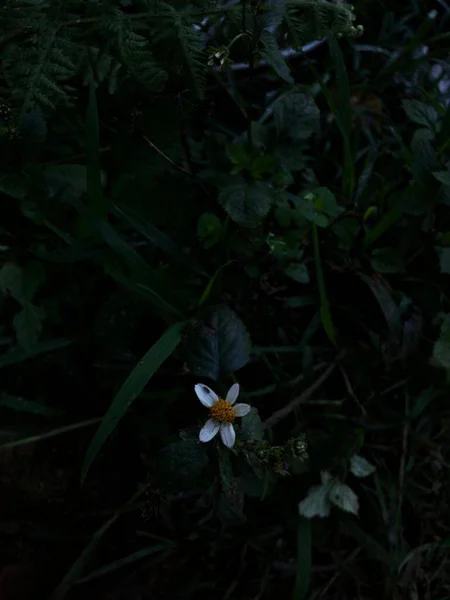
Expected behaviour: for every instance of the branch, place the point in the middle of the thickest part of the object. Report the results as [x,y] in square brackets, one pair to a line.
[285,411]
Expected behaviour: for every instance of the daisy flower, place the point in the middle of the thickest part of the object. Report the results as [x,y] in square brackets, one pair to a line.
[222,413]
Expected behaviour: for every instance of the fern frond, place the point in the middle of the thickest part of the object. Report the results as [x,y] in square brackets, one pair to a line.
[312,19]
[191,45]
[134,53]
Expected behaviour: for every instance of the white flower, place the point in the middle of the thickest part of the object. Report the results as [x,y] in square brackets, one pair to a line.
[222,413]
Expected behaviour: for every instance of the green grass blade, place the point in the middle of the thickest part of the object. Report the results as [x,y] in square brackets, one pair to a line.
[304,560]
[157,237]
[385,223]
[325,314]
[19,404]
[209,287]
[18,355]
[76,569]
[48,434]
[131,389]
[97,201]
[127,560]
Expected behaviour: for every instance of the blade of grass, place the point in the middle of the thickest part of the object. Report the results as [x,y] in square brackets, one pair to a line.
[18,355]
[131,389]
[304,560]
[49,434]
[127,560]
[74,572]
[373,548]
[387,221]
[157,237]
[97,201]
[325,314]
[208,288]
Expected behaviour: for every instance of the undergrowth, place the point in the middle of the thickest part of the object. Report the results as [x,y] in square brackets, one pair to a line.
[225,320]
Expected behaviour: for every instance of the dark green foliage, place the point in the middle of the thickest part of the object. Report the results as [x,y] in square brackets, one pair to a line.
[191,196]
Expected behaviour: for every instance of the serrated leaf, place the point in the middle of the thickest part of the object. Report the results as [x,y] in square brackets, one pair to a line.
[132,387]
[420,113]
[296,116]
[387,260]
[298,273]
[272,55]
[316,503]
[360,467]
[246,203]
[28,326]
[220,344]
[251,427]
[181,463]
[344,497]
[441,349]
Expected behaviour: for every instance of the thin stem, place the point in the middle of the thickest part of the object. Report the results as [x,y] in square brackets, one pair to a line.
[286,411]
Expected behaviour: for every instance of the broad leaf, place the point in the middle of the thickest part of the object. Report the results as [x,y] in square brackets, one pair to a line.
[443,177]
[444,260]
[387,260]
[28,326]
[296,116]
[219,344]
[316,503]
[298,273]
[181,463]
[420,113]
[441,349]
[251,427]
[246,203]
[344,497]
[131,389]
[360,467]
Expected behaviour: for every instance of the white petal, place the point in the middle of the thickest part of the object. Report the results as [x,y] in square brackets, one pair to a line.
[227,434]
[209,430]
[240,410]
[233,393]
[205,394]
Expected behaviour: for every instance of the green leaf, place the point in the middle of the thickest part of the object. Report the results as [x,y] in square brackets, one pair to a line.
[303,560]
[344,497]
[219,344]
[251,427]
[156,237]
[298,273]
[21,283]
[209,229]
[441,348]
[420,113]
[13,186]
[59,177]
[97,201]
[325,314]
[296,116]
[272,55]
[316,502]
[444,260]
[443,177]
[246,203]
[26,406]
[360,467]
[131,389]
[28,326]
[181,463]
[387,260]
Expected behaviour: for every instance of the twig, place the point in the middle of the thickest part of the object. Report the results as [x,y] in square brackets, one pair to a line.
[167,158]
[285,411]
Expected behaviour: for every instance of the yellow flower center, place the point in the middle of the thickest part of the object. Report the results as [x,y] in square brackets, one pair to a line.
[222,411]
